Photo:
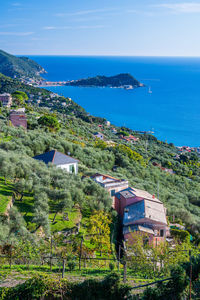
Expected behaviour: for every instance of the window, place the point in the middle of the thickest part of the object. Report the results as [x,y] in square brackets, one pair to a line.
[112,193]
[161,232]
[71,169]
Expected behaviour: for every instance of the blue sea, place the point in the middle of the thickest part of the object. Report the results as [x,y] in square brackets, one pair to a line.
[172,110]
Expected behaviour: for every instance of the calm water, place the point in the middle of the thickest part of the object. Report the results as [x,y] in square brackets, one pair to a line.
[172,110]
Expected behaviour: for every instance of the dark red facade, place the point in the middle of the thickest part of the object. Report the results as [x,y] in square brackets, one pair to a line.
[18,119]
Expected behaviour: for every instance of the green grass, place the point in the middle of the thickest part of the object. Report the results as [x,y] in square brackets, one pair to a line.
[84,273]
[60,224]
[4,138]
[5,195]
[26,207]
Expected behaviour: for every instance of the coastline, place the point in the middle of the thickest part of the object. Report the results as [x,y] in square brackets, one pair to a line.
[171,93]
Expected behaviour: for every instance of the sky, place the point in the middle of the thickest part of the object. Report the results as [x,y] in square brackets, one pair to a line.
[100,27]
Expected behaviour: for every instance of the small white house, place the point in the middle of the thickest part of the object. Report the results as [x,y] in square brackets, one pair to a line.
[59,159]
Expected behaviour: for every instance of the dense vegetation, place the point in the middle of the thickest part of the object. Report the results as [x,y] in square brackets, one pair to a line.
[112,81]
[13,66]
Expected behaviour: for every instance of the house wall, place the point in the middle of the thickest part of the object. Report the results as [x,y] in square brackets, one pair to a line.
[121,203]
[18,120]
[116,189]
[153,240]
[67,167]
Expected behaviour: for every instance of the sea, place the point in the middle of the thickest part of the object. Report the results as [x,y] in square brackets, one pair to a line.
[171,109]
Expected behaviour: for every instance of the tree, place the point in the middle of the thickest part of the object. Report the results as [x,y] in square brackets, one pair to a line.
[99,230]
[49,121]
[41,211]
[19,97]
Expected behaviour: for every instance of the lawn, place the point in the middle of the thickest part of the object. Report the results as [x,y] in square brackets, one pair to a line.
[5,195]
[26,208]
[60,224]
[4,138]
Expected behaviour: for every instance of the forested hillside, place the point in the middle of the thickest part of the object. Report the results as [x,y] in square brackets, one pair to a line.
[13,66]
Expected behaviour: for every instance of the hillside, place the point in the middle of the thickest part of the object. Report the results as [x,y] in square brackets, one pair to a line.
[61,220]
[19,67]
[120,80]
[45,97]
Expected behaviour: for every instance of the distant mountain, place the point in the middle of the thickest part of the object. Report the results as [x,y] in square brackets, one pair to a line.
[19,67]
[123,80]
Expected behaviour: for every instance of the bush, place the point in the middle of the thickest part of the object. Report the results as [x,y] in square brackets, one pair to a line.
[46,287]
[111,266]
[71,265]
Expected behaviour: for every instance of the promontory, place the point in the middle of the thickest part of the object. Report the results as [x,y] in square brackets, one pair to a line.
[124,80]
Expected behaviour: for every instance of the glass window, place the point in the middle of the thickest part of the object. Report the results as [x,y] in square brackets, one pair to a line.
[71,169]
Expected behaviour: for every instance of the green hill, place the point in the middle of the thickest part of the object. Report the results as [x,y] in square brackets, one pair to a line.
[120,80]
[13,66]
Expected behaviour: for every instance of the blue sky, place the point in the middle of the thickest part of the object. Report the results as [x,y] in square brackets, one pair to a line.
[106,27]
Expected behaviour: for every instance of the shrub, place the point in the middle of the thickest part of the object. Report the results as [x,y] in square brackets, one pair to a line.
[111,266]
[71,265]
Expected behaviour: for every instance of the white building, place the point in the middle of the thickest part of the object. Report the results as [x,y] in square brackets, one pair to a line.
[59,159]
[6,99]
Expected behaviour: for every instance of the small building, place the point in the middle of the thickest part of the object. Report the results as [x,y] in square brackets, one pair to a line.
[99,135]
[6,99]
[18,118]
[59,159]
[114,130]
[130,138]
[146,217]
[111,184]
[107,123]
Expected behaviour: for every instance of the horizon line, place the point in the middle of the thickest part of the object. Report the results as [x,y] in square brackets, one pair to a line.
[110,55]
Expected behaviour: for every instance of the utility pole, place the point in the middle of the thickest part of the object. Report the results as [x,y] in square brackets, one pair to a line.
[125,270]
[51,253]
[125,264]
[119,256]
[146,145]
[63,269]
[190,254]
[80,253]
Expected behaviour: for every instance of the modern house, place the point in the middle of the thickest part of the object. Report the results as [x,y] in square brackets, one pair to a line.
[18,118]
[6,99]
[59,159]
[111,184]
[99,135]
[146,217]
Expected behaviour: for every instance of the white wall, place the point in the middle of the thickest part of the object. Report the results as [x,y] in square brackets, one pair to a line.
[67,167]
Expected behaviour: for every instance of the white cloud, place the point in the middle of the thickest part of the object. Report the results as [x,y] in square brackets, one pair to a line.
[185,7]
[73,27]
[56,28]
[85,12]
[7,25]
[16,4]
[90,26]
[16,33]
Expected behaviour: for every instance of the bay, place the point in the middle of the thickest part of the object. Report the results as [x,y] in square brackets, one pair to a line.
[172,110]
